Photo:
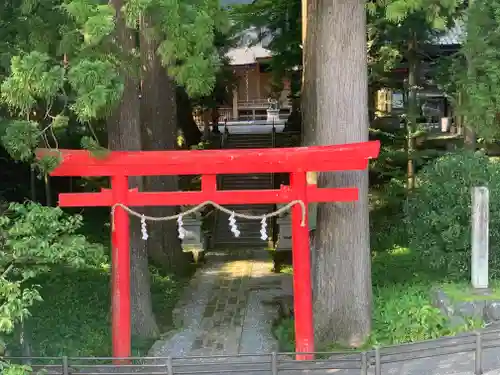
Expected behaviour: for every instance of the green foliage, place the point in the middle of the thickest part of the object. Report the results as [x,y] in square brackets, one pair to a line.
[436,14]
[47,163]
[402,308]
[438,211]
[190,56]
[37,80]
[478,69]
[97,86]
[7,369]
[225,80]
[79,73]
[20,139]
[94,147]
[404,313]
[392,25]
[284,332]
[33,240]
[279,23]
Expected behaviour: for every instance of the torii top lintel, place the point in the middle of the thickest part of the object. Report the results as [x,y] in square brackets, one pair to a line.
[353,156]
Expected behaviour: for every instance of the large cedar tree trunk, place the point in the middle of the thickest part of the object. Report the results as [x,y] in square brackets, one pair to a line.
[159,132]
[124,133]
[336,113]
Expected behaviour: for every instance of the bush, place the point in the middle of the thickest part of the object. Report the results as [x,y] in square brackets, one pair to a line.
[438,211]
[404,313]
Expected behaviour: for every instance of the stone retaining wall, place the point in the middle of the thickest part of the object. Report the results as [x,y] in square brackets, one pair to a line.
[457,311]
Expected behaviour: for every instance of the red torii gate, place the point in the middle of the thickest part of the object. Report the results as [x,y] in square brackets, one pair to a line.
[297,161]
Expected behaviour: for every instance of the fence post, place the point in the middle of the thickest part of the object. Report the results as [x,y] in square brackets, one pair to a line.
[65,365]
[378,365]
[274,363]
[170,367]
[478,357]
[480,238]
[364,364]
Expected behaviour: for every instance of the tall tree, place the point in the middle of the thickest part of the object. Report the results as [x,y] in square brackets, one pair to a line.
[477,71]
[159,130]
[337,97]
[169,56]
[124,133]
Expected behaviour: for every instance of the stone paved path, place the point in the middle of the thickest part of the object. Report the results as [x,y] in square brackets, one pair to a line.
[227,308]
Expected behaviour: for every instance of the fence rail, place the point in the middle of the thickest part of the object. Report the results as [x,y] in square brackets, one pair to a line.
[375,361]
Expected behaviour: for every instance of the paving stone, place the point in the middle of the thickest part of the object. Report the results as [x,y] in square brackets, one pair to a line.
[209,311]
[222,320]
[197,344]
[233,300]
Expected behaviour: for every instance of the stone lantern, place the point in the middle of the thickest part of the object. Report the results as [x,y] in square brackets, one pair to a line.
[194,240]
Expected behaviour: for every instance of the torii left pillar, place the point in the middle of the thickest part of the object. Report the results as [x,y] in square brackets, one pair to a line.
[120,284]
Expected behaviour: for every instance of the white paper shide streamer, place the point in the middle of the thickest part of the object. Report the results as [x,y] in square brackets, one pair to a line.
[263,229]
[182,232]
[232,225]
[180,228]
[144,228]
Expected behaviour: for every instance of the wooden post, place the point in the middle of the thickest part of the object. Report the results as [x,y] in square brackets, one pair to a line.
[235,104]
[480,238]
[120,278]
[301,258]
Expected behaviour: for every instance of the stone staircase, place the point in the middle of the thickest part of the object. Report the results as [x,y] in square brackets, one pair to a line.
[250,229]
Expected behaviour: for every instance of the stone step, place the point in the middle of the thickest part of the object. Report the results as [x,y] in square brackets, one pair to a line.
[248,184]
[249,229]
[245,230]
[246,175]
[246,179]
[249,140]
[243,186]
[245,146]
[250,136]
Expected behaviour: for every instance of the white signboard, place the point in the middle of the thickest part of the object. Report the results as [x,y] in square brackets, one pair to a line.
[397,100]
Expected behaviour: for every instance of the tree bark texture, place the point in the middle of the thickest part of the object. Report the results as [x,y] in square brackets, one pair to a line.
[308,97]
[336,112]
[159,132]
[124,133]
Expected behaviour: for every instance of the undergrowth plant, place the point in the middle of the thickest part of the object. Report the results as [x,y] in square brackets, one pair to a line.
[438,212]
[33,241]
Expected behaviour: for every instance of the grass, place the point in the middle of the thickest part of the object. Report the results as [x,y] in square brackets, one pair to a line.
[463,292]
[402,309]
[74,318]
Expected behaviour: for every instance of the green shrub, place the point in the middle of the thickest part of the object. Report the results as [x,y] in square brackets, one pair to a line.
[404,313]
[438,211]
[387,215]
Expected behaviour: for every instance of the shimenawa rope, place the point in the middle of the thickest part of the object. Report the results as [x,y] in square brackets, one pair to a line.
[216,205]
